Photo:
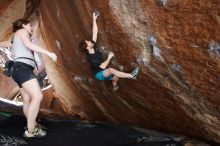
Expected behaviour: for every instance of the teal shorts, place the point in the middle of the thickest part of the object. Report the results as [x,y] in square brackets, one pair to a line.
[99,76]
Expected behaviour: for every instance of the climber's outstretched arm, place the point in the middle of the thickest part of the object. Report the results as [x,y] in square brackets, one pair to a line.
[95,27]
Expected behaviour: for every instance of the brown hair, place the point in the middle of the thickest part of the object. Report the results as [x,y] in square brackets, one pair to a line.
[18,24]
[83,45]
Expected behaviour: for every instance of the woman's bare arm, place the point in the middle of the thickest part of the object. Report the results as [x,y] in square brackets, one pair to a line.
[25,37]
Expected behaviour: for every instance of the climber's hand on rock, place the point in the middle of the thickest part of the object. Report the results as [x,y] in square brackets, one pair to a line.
[110,55]
[95,15]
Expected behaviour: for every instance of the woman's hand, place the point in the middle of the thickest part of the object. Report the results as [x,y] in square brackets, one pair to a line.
[53,56]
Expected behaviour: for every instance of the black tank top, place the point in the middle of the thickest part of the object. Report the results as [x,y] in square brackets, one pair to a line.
[95,61]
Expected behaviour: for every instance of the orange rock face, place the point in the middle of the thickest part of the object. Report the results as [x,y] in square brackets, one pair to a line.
[9,11]
[175,43]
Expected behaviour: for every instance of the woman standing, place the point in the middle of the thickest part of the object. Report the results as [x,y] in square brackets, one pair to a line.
[23,75]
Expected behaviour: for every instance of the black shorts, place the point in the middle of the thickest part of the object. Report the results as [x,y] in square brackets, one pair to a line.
[22,72]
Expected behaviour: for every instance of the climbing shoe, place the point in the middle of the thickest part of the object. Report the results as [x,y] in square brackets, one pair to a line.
[115,88]
[37,133]
[134,73]
[41,126]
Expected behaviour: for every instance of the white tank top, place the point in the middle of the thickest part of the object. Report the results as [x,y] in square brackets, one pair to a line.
[20,50]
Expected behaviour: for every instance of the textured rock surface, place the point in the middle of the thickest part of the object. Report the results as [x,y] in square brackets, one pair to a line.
[9,11]
[176,44]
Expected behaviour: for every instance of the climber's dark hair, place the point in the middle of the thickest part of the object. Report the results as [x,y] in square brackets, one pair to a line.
[83,46]
[18,24]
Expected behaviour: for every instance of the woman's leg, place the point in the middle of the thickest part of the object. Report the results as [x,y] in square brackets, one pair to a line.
[33,89]
[26,101]
[111,71]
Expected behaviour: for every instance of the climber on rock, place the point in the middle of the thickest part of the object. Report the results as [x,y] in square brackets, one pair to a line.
[100,66]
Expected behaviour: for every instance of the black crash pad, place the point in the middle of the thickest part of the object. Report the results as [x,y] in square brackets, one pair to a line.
[76,133]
